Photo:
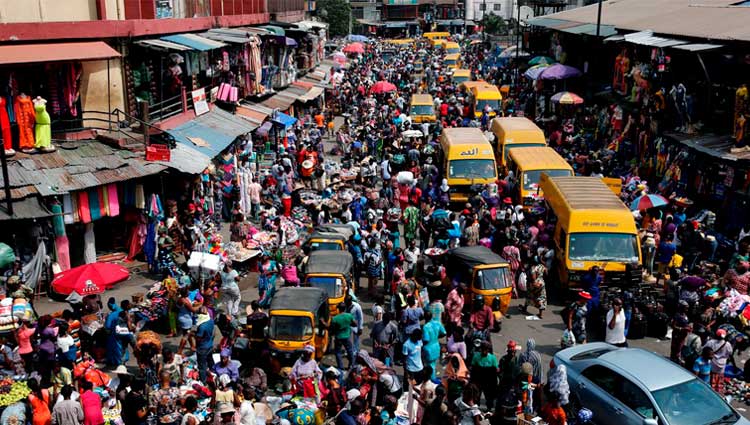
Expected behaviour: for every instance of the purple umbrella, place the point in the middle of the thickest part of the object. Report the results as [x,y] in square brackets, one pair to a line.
[559,72]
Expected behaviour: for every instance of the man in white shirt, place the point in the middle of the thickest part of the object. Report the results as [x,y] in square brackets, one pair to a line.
[615,331]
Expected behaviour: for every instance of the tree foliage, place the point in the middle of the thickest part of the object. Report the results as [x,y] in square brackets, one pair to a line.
[494,24]
[336,13]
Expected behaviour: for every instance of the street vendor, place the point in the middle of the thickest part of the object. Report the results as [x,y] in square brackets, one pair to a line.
[227,366]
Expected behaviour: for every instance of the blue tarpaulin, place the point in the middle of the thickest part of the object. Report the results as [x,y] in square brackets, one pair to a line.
[211,132]
[284,119]
[194,41]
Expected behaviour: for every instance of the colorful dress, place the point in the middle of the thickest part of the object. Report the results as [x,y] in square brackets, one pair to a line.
[25,117]
[43,126]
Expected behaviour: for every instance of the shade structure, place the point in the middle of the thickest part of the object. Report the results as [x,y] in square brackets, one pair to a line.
[648,201]
[534,71]
[567,98]
[542,60]
[559,71]
[354,48]
[512,52]
[382,87]
[358,38]
[89,279]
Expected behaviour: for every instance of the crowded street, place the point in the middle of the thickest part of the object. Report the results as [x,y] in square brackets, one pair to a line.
[291,225]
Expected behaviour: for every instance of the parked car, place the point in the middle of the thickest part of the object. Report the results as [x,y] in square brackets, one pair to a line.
[631,386]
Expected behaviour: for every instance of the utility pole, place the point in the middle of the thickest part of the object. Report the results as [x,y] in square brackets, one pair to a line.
[518,46]
[598,18]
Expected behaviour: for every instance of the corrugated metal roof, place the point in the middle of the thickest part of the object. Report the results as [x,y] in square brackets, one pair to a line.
[713,145]
[187,160]
[698,47]
[26,209]
[251,115]
[709,19]
[590,29]
[74,166]
[194,41]
[312,94]
[217,129]
[228,35]
[278,102]
[163,45]
[647,38]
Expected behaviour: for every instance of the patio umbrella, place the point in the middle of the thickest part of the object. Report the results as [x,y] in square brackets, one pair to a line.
[510,52]
[358,38]
[559,72]
[89,279]
[567,98]
[534,71]
[542,60]
[354,48]
[339,57]
[382,87]
[647,201]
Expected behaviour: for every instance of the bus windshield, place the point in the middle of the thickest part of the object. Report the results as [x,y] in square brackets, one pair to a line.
[620,247]
[531,178]
[492,103]
[498,278]
[471,169]
[422,110]
[290,328]
[333,286]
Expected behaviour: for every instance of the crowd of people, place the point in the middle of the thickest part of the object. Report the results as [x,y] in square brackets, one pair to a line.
[431,359]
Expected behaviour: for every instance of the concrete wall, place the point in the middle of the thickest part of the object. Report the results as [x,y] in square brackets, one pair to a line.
[94,88]
[12,11]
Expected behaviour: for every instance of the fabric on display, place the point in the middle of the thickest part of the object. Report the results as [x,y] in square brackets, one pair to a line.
[113,200]
[103,201]
[89,244]
[58,223]
[5,132]
[94,205]
[33,269]
[84,212]
[43,129]
[62,246]
[67,206]
[26,120]
[140,198]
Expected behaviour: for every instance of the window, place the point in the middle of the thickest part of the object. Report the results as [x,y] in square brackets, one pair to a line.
[622,389]
[490,279]
[472,169]
[482,6]
[290,328]
[603,247]
[692,403]
[602,377]
[497,7]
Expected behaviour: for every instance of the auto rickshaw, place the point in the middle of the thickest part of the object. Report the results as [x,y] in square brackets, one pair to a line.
[330,271]
[326,241]
[297,317]
[484,273]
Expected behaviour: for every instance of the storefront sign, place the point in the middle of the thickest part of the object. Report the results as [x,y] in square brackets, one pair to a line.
[199,102]
[402,2]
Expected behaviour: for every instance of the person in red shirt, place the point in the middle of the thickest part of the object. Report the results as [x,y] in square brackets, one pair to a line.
[444,110]
[91,404]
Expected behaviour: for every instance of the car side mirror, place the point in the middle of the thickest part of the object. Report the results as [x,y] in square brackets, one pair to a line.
[650,422]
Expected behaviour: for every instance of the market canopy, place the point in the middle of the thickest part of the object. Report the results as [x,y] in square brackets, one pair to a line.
[211,132]
[56,52]
[284,120]
[194,41]
[89,279]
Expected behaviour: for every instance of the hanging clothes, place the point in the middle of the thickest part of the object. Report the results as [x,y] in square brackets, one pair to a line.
[94,205]
[33,269]
[26,120]
[149,246]
[89,244]
[113,200]
[43,133]
[58,223]
[84,211]
[72,75]
[5,133]
[140,198]
[62,247]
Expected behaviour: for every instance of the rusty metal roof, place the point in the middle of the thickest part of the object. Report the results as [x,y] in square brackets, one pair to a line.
[74,166]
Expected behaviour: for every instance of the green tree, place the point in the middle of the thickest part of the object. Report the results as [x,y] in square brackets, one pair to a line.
[336,13]
[494,24]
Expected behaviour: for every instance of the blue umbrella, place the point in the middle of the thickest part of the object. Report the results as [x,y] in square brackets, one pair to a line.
[357,37]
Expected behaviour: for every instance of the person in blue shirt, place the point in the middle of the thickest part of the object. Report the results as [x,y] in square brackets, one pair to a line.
[412,351]
[226,366]
[204,336]
[664,253]
[702,365]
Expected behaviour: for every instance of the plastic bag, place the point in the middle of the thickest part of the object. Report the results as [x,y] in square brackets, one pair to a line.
[568,339]
[521,283]
[7,257]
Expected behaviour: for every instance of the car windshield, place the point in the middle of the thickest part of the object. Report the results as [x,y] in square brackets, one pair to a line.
[332,286]
[497,278]
[531,178]
[459,79]
[422,110]
[325,246]
[493,103]
[290,328]
[620,247]
[472,169]
[692,403]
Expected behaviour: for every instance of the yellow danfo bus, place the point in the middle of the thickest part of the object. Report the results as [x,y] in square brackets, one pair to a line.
[468,159]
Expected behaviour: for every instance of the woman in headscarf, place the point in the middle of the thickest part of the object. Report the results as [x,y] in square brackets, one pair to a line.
[534,358]
[456,376]
[306,373]
[367,374]
[432,331]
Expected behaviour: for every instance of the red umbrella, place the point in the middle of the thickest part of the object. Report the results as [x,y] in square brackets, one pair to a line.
[89,279]
[354,48]
[382,87]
